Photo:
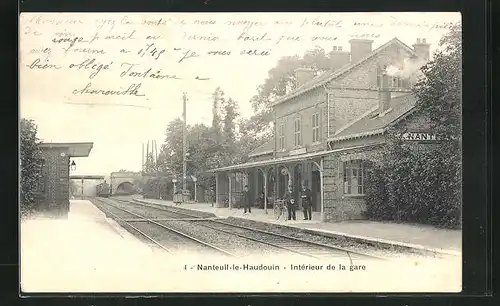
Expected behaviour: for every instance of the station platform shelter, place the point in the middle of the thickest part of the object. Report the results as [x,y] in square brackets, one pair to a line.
[52,192]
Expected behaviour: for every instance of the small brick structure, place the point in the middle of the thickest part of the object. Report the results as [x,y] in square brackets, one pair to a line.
[52,192]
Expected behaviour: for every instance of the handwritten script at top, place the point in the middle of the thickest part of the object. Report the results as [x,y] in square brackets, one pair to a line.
[132,50]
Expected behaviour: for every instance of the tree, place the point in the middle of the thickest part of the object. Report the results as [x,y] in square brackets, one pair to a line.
[216,112]
[31,164]
[439,92]
[208,147]
[250,138]
[150,165]
[171,151]
[230,115]
[439,96]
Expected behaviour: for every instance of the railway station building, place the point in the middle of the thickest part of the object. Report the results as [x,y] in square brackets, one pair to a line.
[52,190]
[330,126]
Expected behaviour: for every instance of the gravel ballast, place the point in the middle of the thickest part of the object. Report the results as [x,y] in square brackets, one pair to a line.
[365,246]
[346,243]
[172,241]
[228,242]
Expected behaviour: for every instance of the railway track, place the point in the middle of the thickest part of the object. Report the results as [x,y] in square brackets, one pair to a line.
[174,235]
[290,244]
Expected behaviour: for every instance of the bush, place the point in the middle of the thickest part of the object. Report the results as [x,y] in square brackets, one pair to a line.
[417,186]
[30,165]
[158,187]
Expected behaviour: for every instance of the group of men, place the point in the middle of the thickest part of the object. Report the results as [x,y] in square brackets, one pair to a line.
[290,202]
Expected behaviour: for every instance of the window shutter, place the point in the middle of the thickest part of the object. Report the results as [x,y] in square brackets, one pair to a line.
[405,83]
[379,79]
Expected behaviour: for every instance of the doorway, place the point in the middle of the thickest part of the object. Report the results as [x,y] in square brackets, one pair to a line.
[297,183]
[316,190]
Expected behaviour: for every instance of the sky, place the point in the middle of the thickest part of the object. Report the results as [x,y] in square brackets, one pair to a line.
[61,54]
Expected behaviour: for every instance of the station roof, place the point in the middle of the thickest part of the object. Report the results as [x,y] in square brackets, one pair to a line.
[287,159]
[76,149]
[372,124]
[264,149]
[86,177]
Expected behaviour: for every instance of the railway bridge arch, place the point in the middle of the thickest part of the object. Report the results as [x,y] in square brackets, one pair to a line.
[125,182]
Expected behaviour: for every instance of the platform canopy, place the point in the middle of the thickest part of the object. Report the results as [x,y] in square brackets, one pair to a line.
[86,177]
[76,149]
[275,161]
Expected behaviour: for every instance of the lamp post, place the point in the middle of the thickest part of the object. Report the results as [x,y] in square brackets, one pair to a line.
[72,167]
[174,181]
[184,143]
[194,180]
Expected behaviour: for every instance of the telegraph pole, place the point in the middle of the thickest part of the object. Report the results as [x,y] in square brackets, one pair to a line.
[142,167]
[184,143]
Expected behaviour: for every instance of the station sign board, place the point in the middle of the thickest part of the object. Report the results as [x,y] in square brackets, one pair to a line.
[423,137]
[298,152]
[416,136]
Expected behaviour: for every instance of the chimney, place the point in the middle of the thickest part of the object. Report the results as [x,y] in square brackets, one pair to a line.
[384,95]
[421,47]
[302,75]
[360,48]
[339,58]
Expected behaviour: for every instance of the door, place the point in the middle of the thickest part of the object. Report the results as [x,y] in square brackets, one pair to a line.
[316,191]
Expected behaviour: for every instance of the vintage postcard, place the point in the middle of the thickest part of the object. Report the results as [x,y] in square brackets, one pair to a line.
[240,152]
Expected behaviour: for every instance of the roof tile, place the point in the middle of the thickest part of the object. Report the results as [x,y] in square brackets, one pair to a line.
[373,123]
[264,148]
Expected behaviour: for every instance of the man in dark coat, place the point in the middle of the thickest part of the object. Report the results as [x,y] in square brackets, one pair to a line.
[212,195]
[306,196]
[290,203]
[246,201]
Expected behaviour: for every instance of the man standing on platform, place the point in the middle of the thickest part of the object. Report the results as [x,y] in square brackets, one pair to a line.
[246,201]
[290,203]
[306,197]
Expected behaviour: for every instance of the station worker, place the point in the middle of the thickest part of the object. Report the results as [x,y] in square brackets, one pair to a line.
[246,201]
[306,196]
[290,202]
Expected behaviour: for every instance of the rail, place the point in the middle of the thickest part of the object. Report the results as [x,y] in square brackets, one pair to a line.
[145,219]
[292,244]
[135,228]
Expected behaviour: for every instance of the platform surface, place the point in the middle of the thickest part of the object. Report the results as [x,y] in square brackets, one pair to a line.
[85,253]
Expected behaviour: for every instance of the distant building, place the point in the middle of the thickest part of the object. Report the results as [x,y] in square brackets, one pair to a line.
[52,190]
[329,125]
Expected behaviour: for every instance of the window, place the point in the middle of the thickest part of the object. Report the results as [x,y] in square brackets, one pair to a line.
[354,175]
[379,77]
[405,83]
[315,127]
[239,182]
[401,83]
[297,136]
[281,137]
[398,82]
